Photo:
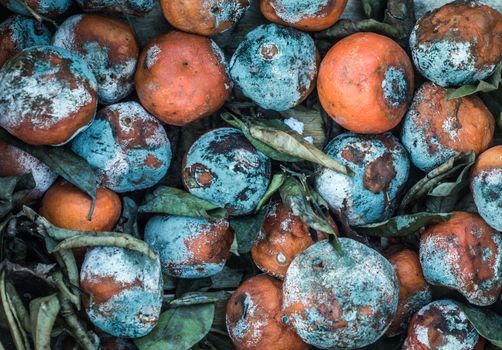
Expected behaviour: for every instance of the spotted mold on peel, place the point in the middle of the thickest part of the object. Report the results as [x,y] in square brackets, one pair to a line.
[189,247]
[47,95]
[275,66]
[464,254]
[381,169]
[223,168]
[424,6]
[293,11]
[126,146]
[114,66]
[335,301]
[226,11]
[125,290]
[127,7]
[20,32]
[487,192]
[49,8]
[441,325]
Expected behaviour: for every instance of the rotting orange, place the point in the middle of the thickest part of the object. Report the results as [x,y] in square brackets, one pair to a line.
[365,83]
[182,77]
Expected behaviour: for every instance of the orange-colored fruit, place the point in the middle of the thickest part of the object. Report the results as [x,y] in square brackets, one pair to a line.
[204,17]
[435,129]
[66,206]
[311,15]
[464,254]
[414,292]
[283,236]
[365,83]
[182,77]
[254,317]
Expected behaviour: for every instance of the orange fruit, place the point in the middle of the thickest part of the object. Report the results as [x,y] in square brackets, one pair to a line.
[182,77]
[365,83]
[66,206]
[311,15]
[204,17]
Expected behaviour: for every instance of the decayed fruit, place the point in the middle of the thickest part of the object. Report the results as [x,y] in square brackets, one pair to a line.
[464,254]
[457,44]
[254,317]
[182,77]
[381,169]
[204,17]
[366,83]
[47,95]
[309,15]
[414,292]
[282,237]
[224,168]
[108,45]
[124,291]
[335,301]
[66,206]
[441,325]
[190,247]
[126,146]
[48,8]
[14,161]
[20,32]
[486,186]
[435,129]
[123,7]
[275,66]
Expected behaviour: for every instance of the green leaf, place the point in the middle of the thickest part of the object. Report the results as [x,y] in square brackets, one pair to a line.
[403,225]
[179,328]
[452,166]
[486,322]
[491,84]
[260,146]
[44,312]
[276,183]
[128,222]
[246,229]
[173,201]
[314,123]
[282,138]
[346,27]
[374,8]
[62,161]
[194,298]
[12,190]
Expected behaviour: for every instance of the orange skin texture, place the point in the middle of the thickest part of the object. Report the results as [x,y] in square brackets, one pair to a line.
[474,124]
[276,238]
[488,160]
[473,235]
[109,32]
[411,281]
[350,83]
[325,18]
[186,82]
[197,17]
[66,206]
[257,303]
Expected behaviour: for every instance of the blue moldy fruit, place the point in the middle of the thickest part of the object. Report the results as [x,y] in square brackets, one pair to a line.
[434,129]
[486,186]
[335,301]
[223,168]
[20,32]
[442,325]
[189,247]
[381,169]
[127,147]
[458,44]
[47,95]
[125,7]
[275,66]
[125,291]
[464,254]
[48,8]
[108,45]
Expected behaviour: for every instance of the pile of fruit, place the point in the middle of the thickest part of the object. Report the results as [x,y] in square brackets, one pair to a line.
[250,174]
